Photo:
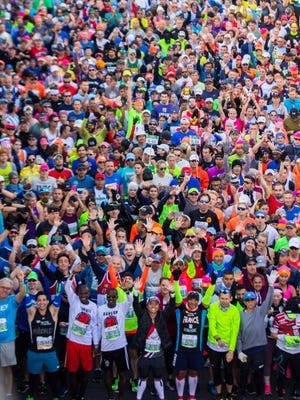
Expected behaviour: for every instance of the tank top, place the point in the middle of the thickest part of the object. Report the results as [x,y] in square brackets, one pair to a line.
[42,332]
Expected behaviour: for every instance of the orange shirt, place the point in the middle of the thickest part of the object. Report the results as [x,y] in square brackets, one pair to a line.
[134,232]
[202,175]
[235,223]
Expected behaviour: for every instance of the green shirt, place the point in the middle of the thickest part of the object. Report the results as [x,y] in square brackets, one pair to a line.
[224,324]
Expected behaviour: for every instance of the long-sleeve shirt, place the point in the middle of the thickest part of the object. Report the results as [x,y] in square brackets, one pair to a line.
[252,327]
[111,323]
[83,324]
[225,324]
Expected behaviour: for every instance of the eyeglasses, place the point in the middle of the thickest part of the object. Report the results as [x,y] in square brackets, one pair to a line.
[241,209]
[260,217]
[204,201]
[190,236]
[162,169]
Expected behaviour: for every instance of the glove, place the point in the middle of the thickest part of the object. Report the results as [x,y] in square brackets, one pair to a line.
[203,243]
[176,274]
[272,277]
[242,357]
[135,120]
[236,237]
[292,340]
[213,279]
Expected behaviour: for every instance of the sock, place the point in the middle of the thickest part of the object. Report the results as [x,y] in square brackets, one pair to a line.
[193,380]
[180,386]
[141,388]
[159,386]
[267,380]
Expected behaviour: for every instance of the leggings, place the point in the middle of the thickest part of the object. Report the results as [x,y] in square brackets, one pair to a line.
[270,351]
[216,358]
[293,360]
[255,362]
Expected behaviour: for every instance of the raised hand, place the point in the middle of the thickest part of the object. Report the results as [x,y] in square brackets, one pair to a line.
[137,284]
[139,246]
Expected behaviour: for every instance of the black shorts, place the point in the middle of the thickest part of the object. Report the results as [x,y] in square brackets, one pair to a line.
[131,344]
[120,357]
[156,365]
[184,360]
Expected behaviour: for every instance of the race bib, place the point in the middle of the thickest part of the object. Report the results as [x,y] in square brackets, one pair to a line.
[196,283]
[189,341]
[130,313]
[3,324]
[152,345]
[112,332]
[79,328]
[183,291]
[44,343]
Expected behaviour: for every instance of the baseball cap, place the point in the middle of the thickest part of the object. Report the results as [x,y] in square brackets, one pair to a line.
[153,298]
[31,242]
[261,261]
[130,156]
[33,275]
[269,171]
[44,167]
[250,296]
[149,151]
[164,147]
[101,250]
[193,190]
[294,242]
[294,113]
[99,176]
[260,212]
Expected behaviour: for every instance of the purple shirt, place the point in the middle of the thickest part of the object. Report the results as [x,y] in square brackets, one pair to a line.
[214,171]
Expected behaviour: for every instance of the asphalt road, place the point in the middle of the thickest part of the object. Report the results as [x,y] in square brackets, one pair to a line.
[96,391]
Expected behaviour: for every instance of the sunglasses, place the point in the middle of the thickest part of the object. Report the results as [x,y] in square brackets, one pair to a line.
[204,201]
[260,217]
[32,280]
[193,194]
[249,300]
[162,169]
[241,209]
[190,236]
[31,247]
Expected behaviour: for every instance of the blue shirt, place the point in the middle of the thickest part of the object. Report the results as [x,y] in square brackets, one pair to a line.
[8,312]
[86,183]
[178,136]
[292,215]
[92,164]
[192,183]
[115,178]
[289,104]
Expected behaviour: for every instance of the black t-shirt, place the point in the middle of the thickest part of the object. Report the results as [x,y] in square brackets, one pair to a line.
[45,227]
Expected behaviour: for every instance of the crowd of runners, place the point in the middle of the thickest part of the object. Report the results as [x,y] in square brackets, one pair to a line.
[150,197]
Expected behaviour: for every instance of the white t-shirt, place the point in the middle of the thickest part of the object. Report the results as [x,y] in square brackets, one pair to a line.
[83,327]
[111,322]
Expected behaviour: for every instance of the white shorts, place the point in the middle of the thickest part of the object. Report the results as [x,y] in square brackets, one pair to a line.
[7,354]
